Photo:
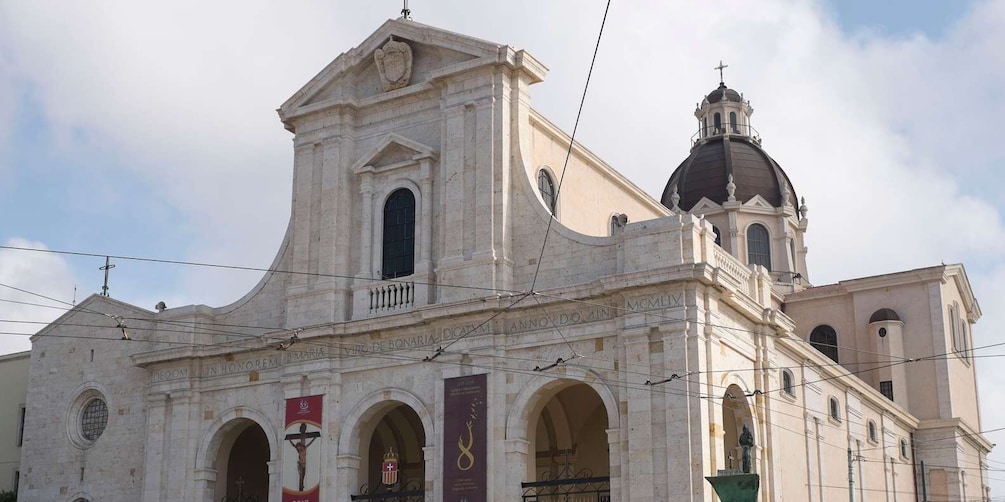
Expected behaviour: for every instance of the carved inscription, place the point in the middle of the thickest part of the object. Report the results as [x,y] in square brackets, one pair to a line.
[654,302]
[242,366]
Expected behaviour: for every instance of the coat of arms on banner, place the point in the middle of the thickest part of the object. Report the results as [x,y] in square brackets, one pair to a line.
[389,469]
[394,62]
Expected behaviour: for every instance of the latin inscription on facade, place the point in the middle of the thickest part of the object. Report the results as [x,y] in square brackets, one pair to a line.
[654,302]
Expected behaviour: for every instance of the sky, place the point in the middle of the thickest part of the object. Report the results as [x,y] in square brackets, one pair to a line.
[149,130]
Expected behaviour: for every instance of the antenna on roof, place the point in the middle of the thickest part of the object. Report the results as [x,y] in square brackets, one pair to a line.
[405,13]
[720,68]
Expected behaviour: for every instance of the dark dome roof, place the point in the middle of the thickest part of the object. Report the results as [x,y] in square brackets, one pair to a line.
[884,315]
[706,171]
[716,95]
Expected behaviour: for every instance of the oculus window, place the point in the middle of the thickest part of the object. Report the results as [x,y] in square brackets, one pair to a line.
[398,258]
[825,339]
[93,419]
[758,246]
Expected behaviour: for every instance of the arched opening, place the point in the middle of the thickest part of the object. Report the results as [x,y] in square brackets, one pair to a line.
[546,186]
[758,246]
[397,430]
[735,417]
[717,123]
[242,463]
[568,442]
[732,123]
[825,339]
[398,258]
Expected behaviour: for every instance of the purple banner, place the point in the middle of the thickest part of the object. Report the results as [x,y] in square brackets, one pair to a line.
[464,437]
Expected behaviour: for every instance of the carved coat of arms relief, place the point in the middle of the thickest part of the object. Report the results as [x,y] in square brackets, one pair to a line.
[394,62]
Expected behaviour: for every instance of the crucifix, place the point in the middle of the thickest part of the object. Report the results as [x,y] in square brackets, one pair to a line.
[720,68]
[240,487]
[405,12]
[108,266]
[301,448]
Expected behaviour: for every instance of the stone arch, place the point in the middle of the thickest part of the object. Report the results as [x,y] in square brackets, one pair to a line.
[518,418]
[375,404]
[737,413]
[80,496]
[209,446]
[353,462]
[227,427]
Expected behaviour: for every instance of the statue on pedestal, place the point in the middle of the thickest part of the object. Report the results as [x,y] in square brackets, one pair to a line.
[746,442]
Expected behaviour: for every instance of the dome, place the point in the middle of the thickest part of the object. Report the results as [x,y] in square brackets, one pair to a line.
[884,315]
[731,95]
[706,172]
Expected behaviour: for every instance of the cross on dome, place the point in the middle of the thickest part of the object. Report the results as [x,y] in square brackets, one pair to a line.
[720,68]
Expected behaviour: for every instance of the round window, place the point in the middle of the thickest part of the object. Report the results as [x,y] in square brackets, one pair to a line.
[93,419]
[87,416]
[882,332]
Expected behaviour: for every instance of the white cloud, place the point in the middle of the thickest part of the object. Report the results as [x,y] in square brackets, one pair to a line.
[40,273]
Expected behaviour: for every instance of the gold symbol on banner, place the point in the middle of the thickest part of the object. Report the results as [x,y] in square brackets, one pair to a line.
[466,455]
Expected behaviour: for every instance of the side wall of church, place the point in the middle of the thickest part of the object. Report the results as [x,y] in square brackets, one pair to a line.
[78,358]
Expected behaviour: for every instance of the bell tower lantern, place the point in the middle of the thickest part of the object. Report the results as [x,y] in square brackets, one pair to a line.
[723,111]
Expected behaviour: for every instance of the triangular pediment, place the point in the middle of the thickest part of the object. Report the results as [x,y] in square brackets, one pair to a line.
[353,76]
[705,205]
[393,151]
[92,308]
[758,202]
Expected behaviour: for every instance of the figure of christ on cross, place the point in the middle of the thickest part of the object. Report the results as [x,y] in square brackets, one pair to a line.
[301,447]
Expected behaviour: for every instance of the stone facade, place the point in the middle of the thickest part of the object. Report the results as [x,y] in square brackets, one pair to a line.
[641,352]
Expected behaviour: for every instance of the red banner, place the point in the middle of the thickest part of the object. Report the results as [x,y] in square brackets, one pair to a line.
[464,437]
[302,450]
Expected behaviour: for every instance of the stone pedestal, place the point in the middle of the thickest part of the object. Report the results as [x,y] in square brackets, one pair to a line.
[737,487]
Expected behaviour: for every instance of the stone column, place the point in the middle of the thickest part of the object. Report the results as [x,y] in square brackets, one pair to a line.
[432,473]
[640,475]
[366,225]
[347,474]
[275,481]
[517,453]
[155,448]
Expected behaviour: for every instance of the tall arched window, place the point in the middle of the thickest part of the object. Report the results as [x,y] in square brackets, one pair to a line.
[718,235]
[825,339]
[835,409]
[758,246]
[732,123]
[547,188]
[717,123]
[399,235]
[787,386]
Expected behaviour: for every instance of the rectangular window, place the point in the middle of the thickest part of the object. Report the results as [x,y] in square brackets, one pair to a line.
[886,388]
[20,425]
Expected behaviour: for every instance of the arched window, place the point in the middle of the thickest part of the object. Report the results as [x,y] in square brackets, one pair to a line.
[904,448]
[717,123]
[547,188]
[732,123]
[718,235]
[872,432]
[758,246]
[825,339]
[787,385]
[835,409]
[399,235]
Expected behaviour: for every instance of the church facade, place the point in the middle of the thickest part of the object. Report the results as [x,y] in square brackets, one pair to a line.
[450,318]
